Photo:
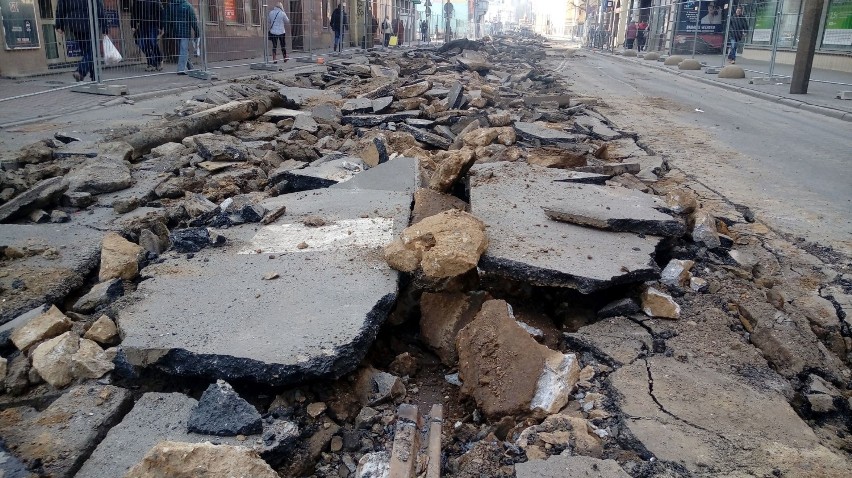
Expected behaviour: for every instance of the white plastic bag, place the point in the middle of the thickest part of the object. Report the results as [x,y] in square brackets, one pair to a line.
[198,47]
[111,54]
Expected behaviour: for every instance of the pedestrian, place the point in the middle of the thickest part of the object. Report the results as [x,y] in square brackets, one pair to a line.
[738,30]
[180,23]
[424,31]
[72,19]
[449,11]
[641,32]
[146,23]
[277,21]
[387,31]
[630,36]
[399,31]
[339,22]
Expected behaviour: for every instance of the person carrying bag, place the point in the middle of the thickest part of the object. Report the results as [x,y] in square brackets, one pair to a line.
[277,21]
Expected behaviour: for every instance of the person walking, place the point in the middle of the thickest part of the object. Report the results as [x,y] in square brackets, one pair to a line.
[387,31]
[424,31]
[339,22]
[72,19]
[276,23]
[180,23]
[630,36]
[146,23]
[641,35]
[449,11]
[736,34]
[399,31]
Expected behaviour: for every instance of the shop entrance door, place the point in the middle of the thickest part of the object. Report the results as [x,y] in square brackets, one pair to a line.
[58,49]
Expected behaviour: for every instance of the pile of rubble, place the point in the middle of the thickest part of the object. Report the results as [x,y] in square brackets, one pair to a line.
[312,251]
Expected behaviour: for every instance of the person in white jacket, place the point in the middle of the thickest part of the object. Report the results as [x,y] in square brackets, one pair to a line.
[277,22]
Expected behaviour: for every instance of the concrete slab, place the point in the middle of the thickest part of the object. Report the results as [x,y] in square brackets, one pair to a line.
[302,95]
[56,259]
[215,316]
[615,209]
[399,174]
[524,244]
[320,174]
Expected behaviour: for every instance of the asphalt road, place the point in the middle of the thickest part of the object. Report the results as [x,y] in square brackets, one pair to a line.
[792,167]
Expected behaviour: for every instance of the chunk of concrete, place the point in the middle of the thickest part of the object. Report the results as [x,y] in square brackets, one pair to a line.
[43,194]
[99,296]
[428,202]
[306,123]
[222,412]
[45,326]
[425,137]
[119,258]
[494,349]
[66,432]
[615,209]
[526,245]
[300,96]
[176,321]
[357,106]
[593,126]
[656,303]
[442,316]
[221,148]
[185,460]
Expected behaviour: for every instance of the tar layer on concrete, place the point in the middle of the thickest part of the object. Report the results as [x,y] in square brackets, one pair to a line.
[526,245]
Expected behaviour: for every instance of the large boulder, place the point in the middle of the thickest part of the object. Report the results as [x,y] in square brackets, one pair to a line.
[91,361]
[506,371]
[191,460]
[444,245]
[119,258]
[53,359]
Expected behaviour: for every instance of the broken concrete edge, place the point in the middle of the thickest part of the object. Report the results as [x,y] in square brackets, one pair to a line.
[68,286]
[110,421]
[550,278]
[671,228]
[182,363]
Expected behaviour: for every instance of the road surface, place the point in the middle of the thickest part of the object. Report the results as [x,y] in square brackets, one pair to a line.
[793,168]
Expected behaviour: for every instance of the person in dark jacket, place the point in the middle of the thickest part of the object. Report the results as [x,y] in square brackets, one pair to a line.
[339,22]
[72,19]
[424,31]
[737,32]
[180,23]
[146,22]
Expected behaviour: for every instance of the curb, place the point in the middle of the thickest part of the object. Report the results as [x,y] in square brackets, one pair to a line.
[818,109]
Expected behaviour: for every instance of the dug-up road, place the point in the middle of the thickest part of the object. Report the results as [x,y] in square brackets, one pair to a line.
[790,167]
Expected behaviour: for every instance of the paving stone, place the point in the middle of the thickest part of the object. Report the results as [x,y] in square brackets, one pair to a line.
[615,209]
[66,432]
[329,261]
[509,198]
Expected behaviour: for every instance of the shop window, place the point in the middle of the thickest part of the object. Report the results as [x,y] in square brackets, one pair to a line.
[837,34]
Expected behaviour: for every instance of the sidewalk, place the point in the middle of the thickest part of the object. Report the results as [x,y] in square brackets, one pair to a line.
[821,97]
[18,104]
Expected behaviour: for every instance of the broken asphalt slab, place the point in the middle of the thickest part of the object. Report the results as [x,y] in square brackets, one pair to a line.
[525,244]
[316,320]
[44,263]
[616,209]
[738,429]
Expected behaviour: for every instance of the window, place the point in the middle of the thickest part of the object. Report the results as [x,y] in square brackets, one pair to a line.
[212,11]
[255,12]
[325,13]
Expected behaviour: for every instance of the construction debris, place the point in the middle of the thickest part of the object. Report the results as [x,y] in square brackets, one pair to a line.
[318,255]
